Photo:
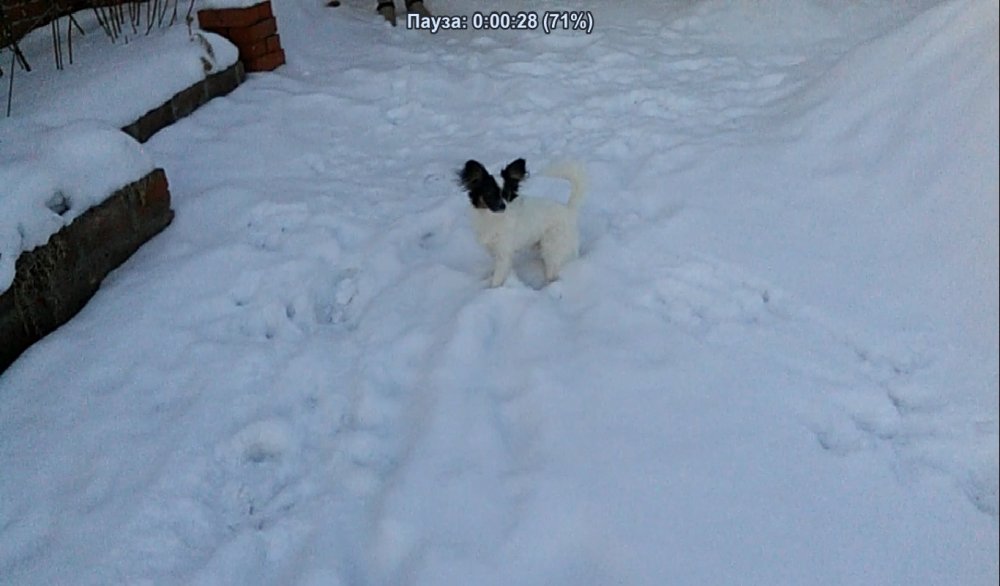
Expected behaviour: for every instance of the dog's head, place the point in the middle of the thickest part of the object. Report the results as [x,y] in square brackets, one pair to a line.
[483,190]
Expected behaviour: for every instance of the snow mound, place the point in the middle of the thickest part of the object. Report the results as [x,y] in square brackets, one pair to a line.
[50,176]
[916,111]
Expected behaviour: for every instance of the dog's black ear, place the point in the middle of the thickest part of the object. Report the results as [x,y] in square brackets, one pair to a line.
[512,175]
[515,171]
[472,174]
[484,193]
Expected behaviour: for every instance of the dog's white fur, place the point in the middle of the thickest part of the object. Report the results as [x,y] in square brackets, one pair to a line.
[530,221]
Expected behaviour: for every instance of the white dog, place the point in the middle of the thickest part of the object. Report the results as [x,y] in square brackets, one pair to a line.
[505,223]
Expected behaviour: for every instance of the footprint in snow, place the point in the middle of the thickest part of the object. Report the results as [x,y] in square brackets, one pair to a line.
[702,296]
[262,442]
[270,224]
[258,470]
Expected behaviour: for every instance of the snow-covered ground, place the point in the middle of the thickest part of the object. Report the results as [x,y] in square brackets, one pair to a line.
[775,362]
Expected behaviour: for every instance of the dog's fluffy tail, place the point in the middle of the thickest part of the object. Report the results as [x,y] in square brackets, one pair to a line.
[573,172]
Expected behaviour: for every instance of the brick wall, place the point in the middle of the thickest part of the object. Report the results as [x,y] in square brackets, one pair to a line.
[253,30]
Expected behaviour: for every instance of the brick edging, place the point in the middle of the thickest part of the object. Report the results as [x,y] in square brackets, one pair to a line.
[186,101]
[54,281]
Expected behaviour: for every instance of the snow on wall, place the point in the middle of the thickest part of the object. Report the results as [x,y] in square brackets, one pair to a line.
[50,176]
[219,4]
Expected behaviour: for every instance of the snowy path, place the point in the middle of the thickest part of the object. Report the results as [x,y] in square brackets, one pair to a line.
[304,380]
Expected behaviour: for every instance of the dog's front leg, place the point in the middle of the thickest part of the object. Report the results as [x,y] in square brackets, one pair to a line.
[502,264]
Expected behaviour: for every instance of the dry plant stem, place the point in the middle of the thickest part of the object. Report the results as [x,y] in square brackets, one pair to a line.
[151,10]
[163,12]
[69,37]
[56,44]
[76,24]
[188,18]
[101,20]
[10,83]
[133,17]
[115,24]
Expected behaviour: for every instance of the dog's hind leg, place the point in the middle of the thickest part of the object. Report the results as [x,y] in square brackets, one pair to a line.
[553,265]
[553,261]
[551,270]
[558,249]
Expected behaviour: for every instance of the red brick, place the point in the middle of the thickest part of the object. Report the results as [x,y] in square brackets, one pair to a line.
[245,35]
[254,49]
[235,17]
[268,62]
[157,190]
[261,47]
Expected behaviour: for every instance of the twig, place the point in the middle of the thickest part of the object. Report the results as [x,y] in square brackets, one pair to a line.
[120,21]
[133,16]
[69,37]
[113,19]
[56,44]
[104,23]
[70,23]
[151,10]
[188,18]
[10,84]
[163,11]
[73,20]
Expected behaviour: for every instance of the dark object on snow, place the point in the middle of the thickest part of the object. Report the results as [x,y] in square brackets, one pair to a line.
[387,8]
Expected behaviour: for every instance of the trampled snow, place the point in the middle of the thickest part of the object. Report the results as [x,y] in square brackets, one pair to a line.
[774,363]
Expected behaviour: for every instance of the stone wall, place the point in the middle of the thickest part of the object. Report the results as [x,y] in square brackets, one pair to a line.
[53,282]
